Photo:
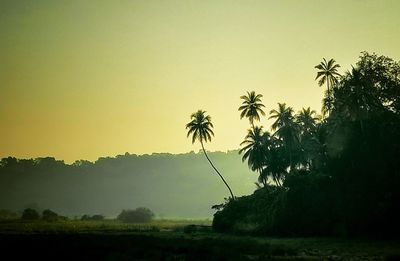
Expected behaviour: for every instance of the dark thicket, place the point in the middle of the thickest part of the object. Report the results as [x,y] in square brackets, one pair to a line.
[30,214]
[94,217]
[139,215]
[337,176]
[49,215]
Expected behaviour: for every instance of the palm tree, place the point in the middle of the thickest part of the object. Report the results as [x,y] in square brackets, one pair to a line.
[307,120]
[283,116]
[255,148]
[251,107]
[327,74]
[276,164]
[200,127]
[286,128]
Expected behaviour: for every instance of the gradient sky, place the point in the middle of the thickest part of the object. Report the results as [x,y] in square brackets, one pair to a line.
[83,79]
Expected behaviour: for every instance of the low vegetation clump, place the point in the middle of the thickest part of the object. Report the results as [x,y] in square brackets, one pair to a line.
[50,216]
[93,217]
[139,215]
[30,214]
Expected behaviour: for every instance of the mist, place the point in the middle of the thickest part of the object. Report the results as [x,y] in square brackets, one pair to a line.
[172,186]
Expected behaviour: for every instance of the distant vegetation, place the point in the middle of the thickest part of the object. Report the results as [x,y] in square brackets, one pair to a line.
[336,174]
[138,215]
[173,186]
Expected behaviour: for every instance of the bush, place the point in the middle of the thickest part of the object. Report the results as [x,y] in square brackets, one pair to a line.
[93,218]
[30,214]
[49,215]
[253,214]
[139,215]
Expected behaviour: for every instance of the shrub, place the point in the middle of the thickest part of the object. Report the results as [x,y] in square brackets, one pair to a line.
[139,215]
[30,214]
[49,215]
[93,218]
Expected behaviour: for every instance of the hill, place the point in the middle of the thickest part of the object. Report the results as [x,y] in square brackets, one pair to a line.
[182,185]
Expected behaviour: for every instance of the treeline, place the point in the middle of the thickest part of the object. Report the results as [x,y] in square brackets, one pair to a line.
[170,185]
[336,174]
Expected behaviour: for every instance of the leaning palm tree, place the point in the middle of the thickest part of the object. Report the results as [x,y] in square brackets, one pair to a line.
[327,74]
[200,127]
[251,107]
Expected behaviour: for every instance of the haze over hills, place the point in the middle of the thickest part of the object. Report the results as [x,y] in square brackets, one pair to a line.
[180,185]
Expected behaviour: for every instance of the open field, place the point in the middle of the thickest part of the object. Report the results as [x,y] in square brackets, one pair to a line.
[174,240]
[104,226]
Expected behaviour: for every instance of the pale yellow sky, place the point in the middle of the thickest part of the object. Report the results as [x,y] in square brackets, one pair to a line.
[84,79]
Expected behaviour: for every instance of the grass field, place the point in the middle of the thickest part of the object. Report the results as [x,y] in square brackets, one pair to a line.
[174,240]
[104,226]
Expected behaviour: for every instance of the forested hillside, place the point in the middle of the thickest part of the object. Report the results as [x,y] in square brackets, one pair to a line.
[181,185]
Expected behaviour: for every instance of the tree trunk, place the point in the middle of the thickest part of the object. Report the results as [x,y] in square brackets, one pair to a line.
[219,174]
[329,96]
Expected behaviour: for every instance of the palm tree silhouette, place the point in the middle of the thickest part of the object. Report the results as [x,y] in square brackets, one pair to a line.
[200,127]
[251,107]
[327,74]
[308,124]
[286,128]
[255,149]
[307,120]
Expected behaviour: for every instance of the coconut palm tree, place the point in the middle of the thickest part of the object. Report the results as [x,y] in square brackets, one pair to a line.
[327,74]
[283,116]
[286,128]
[276,164]
[200,127]
[255,149]
[251,107]
[307,120]
[309,143]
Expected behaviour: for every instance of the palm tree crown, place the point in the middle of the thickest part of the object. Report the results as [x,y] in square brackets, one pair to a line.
[251,107]
[200,127]
[307,120]
[254,148]
[283,116]
[327,72]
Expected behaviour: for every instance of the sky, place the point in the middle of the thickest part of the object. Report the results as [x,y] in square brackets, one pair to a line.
[85,79]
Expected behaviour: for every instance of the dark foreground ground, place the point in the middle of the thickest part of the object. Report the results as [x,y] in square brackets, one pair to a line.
[181,244]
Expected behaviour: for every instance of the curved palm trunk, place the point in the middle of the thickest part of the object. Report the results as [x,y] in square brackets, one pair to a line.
[219,174]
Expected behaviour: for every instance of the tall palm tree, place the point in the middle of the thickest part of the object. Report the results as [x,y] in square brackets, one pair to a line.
[286,128]
[327,74]
[308,124]
[251,107]
[276,164]
[255,149]
[200,127]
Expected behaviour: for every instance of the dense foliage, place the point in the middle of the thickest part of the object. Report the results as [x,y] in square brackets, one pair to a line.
[138,215]
[30,214]
[336,176]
